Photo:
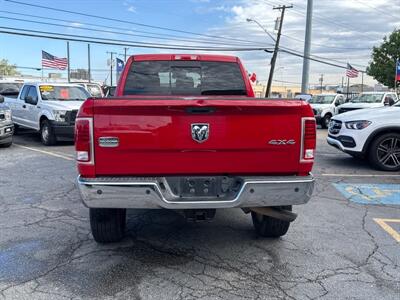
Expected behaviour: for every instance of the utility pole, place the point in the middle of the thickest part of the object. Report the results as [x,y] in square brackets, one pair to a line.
[307,48]
[68,64]
[111,66]
[125,49]
[321,80]
[275,55]
[88,55]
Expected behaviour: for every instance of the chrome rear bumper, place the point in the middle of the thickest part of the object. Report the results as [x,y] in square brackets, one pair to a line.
[154,192]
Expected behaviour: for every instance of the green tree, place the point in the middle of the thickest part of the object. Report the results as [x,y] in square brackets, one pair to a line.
[7,69]
[382,66]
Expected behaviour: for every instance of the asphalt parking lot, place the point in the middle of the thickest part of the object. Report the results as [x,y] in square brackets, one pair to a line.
[345,244]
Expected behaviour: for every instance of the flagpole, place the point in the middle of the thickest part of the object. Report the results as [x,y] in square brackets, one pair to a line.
[395,75]
[68,67]
[362,81]
[348,85]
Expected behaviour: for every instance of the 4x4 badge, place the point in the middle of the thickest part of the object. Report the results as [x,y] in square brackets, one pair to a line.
[200,132]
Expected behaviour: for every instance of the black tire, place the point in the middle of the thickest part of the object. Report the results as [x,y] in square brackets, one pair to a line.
[325,121]
[107,224]
[6,145]
[47,135]
[384,152]
[270,227]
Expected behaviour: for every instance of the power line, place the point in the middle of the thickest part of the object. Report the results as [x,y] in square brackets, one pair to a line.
[180,47]
[324,20]
[152,34]
[122,21]
[116,42]
[108,31]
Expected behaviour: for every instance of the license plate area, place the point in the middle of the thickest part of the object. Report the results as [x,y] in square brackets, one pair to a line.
[205,187]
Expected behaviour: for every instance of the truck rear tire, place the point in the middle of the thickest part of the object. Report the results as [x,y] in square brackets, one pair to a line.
[47,135]
[270,227]
[107,224]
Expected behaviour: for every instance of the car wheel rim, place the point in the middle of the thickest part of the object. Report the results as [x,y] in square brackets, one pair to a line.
[389,152]
[45,133]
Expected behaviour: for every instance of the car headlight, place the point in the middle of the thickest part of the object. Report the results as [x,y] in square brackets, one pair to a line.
[358,125]
[7,114]
[59,115]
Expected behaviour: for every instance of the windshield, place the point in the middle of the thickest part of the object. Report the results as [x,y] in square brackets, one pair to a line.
[94,90]
[9,88]
[322,99]
[185,78]
[63,93]
[368,98]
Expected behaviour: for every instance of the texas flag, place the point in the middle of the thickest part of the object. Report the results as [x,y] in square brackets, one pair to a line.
[120,65]
[398,70]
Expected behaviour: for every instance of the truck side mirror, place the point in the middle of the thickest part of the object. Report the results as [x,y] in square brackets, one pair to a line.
[1,99]
[388,101]
[337,102]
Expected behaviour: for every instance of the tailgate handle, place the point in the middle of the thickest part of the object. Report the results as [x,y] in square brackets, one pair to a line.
[200,110]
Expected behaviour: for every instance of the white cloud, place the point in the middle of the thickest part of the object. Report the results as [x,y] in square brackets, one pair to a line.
[132,9]
[343,31]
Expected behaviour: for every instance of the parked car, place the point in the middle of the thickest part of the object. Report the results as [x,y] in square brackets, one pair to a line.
[94,89]
[48,108]
[369,100]
[10,88]
[6,124]
[305,97]
[185,132]
[369,133]
[325,106]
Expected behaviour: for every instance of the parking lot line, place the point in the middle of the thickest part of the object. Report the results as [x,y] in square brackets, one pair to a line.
[388,228]
[45,152]
[360,175]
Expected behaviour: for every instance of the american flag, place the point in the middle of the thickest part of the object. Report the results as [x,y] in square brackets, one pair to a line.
[351,72]
[54,62]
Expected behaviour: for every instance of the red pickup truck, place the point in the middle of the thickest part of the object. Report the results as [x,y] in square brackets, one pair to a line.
[184,132]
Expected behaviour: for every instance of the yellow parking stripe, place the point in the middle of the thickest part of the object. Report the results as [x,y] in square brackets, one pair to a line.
[389,229]
[45,152]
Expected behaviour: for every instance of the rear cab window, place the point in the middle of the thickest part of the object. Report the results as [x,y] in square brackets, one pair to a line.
[184,78]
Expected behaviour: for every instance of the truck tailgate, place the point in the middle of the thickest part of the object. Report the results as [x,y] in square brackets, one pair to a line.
[153,136]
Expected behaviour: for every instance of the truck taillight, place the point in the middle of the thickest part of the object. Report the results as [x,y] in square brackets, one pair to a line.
[84,140]
[309,136]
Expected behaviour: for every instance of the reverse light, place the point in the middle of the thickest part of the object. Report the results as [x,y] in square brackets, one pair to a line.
[308,142]
[358,125]
[84,140]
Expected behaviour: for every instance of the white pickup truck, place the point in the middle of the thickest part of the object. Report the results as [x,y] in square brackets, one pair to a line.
[325,106]
[49,108]
[369,100]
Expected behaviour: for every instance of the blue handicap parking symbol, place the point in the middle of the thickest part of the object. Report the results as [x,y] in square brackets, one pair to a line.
[370,193]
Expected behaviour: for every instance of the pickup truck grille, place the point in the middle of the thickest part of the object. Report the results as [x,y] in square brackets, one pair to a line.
[343,110]
[70,116]
[335,126]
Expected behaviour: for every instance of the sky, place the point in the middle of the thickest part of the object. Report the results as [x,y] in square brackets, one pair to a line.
[344,31]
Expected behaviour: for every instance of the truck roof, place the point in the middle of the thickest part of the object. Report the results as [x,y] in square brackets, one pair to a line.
[198,57]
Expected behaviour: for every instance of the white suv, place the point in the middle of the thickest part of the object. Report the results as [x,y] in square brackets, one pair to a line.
[325,106]
[370,133]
